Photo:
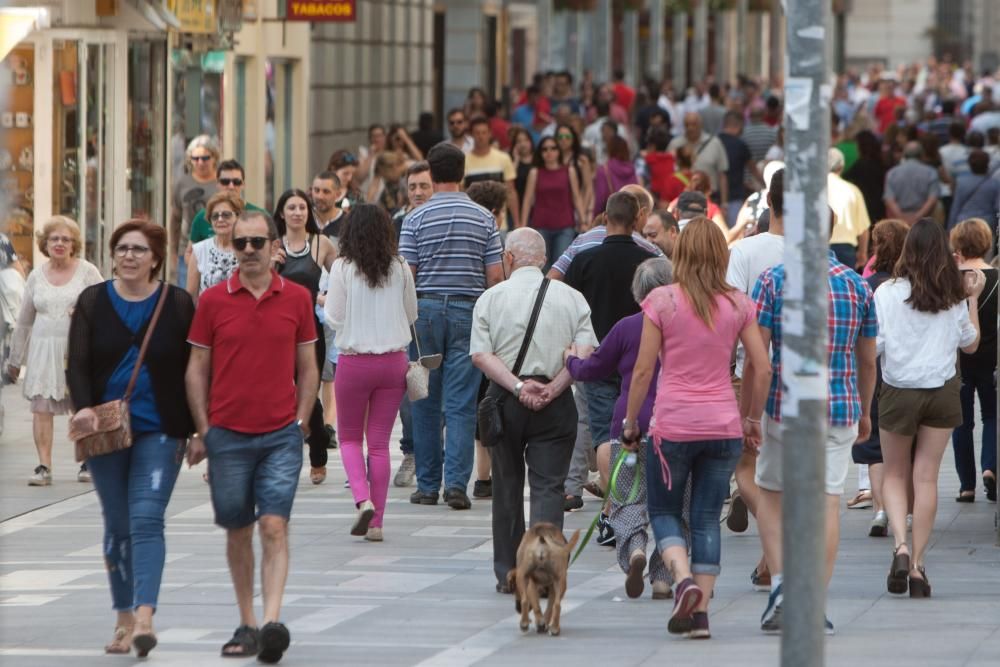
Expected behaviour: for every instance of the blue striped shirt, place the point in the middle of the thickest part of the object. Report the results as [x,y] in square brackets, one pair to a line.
[592,239]
[450,241]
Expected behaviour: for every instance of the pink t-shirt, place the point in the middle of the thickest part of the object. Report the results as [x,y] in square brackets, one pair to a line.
[694,395]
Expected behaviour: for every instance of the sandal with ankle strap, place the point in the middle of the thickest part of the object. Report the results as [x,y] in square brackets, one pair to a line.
[896,582]
[122,643]
[920,587]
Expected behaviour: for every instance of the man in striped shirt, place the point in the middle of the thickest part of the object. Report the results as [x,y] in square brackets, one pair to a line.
[453,248]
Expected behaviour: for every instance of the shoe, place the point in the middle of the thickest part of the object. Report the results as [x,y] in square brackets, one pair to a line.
[965,497]
[760,582]
[699,626]
[770,621]
[634,580]
[862,501]
[407,472]
[594,489]
[605,533]
[420,498]
[83,475]
[42,477]
[366,511]
[483,488]
[374,534]
[920,587]
[686,600]
[274,640]
[880,525]
[317,475]
[347,483]
[504,588]
[738,520]
[662,591]
[457,499]
[571,503]
[331,433]
[143,643]
[828,626]
[990,484]
[896,582]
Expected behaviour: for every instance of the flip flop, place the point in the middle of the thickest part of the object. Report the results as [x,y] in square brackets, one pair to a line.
[274,641]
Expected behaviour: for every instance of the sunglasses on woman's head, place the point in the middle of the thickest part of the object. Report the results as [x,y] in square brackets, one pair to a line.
[256,242]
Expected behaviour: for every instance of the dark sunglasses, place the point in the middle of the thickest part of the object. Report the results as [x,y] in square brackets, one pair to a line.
[201,158]
[258,242]
[231,181]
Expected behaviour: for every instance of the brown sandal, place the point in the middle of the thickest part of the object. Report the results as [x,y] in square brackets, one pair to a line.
[896,582]
[122,643]
[920,587]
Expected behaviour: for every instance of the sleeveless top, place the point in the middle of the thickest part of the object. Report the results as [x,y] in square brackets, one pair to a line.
[214,264]
[304,270]
[553,200]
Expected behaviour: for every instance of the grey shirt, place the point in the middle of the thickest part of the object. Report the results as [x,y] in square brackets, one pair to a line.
[708,155]
[910,183]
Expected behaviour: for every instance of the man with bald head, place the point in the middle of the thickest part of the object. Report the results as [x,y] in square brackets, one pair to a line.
[708,153]
[538,410]
[912,188]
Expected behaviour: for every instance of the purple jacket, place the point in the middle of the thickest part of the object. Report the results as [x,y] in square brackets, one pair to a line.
[618,352]
[619,174]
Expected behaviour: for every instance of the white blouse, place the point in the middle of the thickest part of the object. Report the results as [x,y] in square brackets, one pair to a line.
[919,350]
[370,320]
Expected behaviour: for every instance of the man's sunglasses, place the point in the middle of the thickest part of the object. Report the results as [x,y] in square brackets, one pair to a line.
[258,242]
[231,181]
[201,158]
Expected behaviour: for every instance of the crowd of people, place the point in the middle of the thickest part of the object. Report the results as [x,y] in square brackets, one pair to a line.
[598,278]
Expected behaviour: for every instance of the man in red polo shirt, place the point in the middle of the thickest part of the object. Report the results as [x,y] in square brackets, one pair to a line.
[253,331]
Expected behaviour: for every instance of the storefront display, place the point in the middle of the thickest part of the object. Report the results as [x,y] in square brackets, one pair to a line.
[17,158]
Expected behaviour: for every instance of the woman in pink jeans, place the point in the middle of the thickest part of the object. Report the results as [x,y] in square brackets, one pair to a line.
[371,304]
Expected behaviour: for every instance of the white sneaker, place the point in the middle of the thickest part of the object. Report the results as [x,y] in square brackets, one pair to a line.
[365,514]
[407,472]
[83,475]
[42,477]
[879,526]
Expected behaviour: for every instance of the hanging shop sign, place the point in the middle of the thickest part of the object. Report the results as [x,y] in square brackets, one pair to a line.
[196,16]
[320,10]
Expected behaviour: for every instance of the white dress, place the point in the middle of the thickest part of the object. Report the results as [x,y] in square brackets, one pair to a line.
[41,338]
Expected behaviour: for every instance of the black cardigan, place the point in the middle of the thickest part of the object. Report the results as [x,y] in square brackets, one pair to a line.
[98,339]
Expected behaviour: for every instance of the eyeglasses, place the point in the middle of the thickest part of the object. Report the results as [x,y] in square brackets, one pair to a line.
[257,242]
[231,181]
[564,136]
[546,149]
[201,158]
[60,239]
[137,251]
[222,215]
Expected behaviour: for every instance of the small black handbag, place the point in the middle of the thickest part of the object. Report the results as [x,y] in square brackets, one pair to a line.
[490,410]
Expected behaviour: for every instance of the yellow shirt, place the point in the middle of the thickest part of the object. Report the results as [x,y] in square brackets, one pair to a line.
[848,205]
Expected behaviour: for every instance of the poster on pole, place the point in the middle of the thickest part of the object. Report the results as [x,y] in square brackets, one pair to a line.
[321,10]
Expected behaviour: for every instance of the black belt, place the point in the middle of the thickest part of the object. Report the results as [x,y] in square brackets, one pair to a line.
[448,297]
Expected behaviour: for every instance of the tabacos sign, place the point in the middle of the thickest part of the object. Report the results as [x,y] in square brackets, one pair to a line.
[320,10]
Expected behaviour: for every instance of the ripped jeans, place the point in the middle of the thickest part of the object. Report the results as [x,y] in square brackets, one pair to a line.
[134,486]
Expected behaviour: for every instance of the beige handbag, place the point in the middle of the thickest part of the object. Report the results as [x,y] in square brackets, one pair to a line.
[418,374]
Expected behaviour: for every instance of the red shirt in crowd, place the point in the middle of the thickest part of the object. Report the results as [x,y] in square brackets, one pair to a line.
[500,129]
[624,95]
[254,344]
[885,111]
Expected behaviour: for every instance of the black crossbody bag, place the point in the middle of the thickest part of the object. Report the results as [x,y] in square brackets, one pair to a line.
[490,410]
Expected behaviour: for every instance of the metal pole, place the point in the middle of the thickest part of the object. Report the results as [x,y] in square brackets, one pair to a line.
[804,326]
[699,43]
[602,41]
[630,47]
[654,67]
[678,61]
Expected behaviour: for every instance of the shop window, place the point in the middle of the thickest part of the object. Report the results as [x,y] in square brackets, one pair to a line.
[146,83]
[278,129]
[197,101]
[17,150]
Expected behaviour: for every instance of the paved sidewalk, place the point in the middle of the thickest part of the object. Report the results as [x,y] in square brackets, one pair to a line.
[425,596]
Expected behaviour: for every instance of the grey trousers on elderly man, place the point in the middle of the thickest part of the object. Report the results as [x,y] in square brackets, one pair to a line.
[543,441]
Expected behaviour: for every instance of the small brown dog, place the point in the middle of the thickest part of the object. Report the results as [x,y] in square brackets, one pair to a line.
[542,565]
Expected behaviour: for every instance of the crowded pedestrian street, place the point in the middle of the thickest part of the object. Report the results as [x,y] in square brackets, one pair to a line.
[425,597]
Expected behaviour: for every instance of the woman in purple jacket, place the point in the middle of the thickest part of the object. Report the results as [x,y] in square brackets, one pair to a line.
[616,356]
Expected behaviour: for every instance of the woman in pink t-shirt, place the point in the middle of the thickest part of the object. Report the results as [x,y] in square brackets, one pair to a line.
[693,326]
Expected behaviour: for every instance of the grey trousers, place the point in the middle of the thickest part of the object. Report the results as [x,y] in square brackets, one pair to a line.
[584,459]
[543,441]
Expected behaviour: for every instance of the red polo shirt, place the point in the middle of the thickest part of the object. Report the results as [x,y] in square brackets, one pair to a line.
[254,344]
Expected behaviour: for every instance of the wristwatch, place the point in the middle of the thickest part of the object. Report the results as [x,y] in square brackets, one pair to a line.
[517,388]
[628,424]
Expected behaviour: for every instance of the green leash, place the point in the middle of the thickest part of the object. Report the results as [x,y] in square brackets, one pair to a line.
[612,495]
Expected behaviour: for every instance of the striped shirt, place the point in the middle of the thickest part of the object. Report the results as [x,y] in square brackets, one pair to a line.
[450,241]
[851,315]
[592,239]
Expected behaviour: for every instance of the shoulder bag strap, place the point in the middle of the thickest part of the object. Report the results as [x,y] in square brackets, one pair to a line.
[145,340]
[529,332]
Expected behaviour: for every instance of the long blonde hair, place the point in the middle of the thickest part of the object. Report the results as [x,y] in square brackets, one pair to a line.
[700,259]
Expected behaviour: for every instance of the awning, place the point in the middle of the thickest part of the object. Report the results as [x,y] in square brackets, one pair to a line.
[16,23]
[157,13]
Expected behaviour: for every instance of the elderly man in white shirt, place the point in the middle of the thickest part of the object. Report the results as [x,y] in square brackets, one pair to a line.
[538,411]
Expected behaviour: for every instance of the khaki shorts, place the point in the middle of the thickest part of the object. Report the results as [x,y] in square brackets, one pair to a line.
[839,440]
[903,411]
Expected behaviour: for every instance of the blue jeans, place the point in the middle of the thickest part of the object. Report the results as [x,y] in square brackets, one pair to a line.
[134,486]
[710,464]
[182,272]
[601,398]
[253,474]
[444,327]
[556,242]
[979,382]
[406,416]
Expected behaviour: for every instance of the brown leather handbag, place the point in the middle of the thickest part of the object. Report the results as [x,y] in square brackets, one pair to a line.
[114,428]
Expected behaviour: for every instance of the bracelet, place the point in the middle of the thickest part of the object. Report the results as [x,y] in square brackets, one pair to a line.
[752,421]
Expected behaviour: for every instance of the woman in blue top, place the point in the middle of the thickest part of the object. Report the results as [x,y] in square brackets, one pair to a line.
[134,485]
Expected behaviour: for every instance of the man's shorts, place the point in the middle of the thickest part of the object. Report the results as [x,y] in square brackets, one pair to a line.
[903,411]
[839,440]
[252,475]
[601,397]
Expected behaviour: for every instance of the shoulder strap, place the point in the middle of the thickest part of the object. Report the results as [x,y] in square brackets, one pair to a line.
[145,340]
[529,332]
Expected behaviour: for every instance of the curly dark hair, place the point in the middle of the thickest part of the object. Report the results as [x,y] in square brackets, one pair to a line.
[935,282]
[888,237]
[312,227]
[368,239]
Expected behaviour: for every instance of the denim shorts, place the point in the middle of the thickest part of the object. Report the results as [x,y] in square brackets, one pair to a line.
[601,397]
[252,475]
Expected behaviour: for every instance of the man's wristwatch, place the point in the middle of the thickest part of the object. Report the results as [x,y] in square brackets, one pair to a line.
[517,389]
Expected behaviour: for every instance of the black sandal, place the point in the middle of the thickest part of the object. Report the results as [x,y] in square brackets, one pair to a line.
[920,587]
[245,639]
[896,582]
[990,483]
[274,641]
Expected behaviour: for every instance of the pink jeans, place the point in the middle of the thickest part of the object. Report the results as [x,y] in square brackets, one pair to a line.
[368,389]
